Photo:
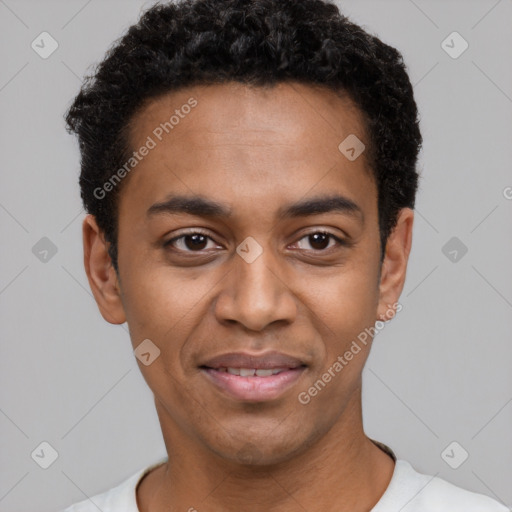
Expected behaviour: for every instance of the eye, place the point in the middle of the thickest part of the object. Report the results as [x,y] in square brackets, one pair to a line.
[194,241]
[319,240]
[197,241]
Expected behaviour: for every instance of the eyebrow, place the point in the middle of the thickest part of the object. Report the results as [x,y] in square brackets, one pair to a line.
[203,207]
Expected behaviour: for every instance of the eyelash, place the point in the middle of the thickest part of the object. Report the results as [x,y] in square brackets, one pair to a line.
[341,242]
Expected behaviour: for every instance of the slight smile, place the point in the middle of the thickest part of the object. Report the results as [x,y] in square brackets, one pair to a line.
[253,378]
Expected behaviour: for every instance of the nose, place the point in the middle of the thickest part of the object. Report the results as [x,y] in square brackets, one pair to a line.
[256,294]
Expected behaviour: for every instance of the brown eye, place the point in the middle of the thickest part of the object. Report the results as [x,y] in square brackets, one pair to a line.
[194,242]
[189,242]
[319,240]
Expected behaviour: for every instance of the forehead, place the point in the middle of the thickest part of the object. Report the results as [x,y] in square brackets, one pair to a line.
[287,111]
[265,144]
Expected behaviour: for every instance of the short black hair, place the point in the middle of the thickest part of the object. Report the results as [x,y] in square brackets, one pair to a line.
[259,43]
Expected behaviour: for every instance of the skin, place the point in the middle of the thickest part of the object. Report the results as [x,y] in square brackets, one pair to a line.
[254,150]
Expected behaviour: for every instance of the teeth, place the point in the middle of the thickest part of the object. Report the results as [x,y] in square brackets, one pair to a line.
[250,372]
[264,373]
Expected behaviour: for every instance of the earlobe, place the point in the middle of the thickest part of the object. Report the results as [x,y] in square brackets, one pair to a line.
[394,266]
[101,274]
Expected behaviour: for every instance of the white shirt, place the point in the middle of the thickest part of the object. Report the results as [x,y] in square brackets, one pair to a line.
[408,491]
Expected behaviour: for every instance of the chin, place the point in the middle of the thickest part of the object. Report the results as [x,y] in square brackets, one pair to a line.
[266,449]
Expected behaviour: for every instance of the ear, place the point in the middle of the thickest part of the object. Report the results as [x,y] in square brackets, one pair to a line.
[394,266]
[101,274]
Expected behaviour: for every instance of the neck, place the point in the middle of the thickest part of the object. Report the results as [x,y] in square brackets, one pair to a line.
[343,471]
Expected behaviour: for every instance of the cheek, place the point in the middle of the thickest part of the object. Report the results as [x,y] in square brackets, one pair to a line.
[149,310]
[345,303]
[162,309]
[344,314]
[158,302]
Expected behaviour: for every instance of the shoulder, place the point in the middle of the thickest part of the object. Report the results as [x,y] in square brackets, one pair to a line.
[121,498]
[445,496]
[417,492]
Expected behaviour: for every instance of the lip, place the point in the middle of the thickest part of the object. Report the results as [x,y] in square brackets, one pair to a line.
[254,388]
[264,361]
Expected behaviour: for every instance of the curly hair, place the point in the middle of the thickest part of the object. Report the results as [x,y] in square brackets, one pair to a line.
[259,43]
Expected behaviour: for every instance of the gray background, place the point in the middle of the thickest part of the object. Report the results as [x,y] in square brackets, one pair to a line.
[439,373]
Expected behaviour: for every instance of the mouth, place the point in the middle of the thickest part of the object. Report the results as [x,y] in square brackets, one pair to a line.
[253,378]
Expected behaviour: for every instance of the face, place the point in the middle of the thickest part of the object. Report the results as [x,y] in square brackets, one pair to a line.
[249,255]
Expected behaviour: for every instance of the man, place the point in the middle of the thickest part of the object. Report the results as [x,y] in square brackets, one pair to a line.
[248,167]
